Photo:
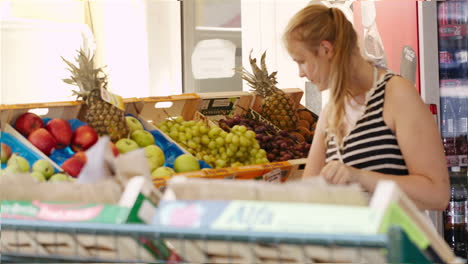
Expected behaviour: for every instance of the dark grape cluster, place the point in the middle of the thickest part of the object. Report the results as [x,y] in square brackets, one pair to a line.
[280,146]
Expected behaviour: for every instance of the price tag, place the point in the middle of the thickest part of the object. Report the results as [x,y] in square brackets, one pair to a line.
[273,176]
[218,106]
[113,99]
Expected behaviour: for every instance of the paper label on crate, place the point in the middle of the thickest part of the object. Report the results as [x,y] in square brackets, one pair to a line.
[214,58]
[64,212]
[218,106]
[267,217]
[273,176]
[113,99]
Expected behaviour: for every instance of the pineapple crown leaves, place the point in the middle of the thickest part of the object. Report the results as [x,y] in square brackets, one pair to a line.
[84,75]
[262,82]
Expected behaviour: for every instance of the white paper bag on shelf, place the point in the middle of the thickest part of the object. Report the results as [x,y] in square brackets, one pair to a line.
[100,162]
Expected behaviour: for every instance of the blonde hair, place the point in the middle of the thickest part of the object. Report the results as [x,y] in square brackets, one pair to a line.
[312,25]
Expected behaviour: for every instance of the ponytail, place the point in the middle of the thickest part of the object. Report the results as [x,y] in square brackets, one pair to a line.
[344,45]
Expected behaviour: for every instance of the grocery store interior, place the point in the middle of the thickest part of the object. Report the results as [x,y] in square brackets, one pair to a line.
[186,131]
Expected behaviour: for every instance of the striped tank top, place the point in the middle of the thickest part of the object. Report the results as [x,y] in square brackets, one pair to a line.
[371,145]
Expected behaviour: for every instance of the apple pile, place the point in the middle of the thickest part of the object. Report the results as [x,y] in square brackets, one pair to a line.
[56,134]
[41,170]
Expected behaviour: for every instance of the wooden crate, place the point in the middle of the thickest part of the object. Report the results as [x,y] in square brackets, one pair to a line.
[242,102]
[157,109]
[65,110]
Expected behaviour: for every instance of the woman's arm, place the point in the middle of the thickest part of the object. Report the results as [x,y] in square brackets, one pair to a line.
[427,183]
[316,158]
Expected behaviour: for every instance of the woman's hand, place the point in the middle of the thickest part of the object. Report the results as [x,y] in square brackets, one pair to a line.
[335,172]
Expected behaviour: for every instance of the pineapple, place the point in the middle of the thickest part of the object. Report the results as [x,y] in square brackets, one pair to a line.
[104,117]
[276,107]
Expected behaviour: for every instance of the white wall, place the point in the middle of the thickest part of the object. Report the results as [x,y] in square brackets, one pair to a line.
[140,42]
[137,40]
[121,45]
[33,36]
[164,48]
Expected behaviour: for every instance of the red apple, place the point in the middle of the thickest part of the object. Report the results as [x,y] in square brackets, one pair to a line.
[114,149]
[6,153]
[27,123]
[83,138]
[43,140]
[61,130]
[81,155]
[73,166]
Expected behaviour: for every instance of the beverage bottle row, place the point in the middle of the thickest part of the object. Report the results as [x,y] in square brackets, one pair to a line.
[452,12]
[453,39]
[454,129]
[456,214]
[453,57]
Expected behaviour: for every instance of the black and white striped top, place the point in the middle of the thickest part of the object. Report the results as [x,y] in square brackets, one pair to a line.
[371,145]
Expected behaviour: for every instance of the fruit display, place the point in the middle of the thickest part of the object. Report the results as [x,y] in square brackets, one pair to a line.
[213,145]
[102,116]
[276,107]
[280,146]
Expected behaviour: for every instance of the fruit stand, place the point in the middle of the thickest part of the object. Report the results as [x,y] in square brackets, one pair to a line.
[107,179]
[153,112]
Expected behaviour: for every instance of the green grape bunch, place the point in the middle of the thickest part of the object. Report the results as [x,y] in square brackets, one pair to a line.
[218,148]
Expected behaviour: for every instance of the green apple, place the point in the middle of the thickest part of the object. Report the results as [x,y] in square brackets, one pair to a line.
[38,176]
[59,177]
[133,124]
[162,172]
[44,167]
[185,163]
[154,156]
[143,138]
[125,145]
[21,163]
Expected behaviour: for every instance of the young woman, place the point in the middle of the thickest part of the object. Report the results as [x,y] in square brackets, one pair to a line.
[375,126]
